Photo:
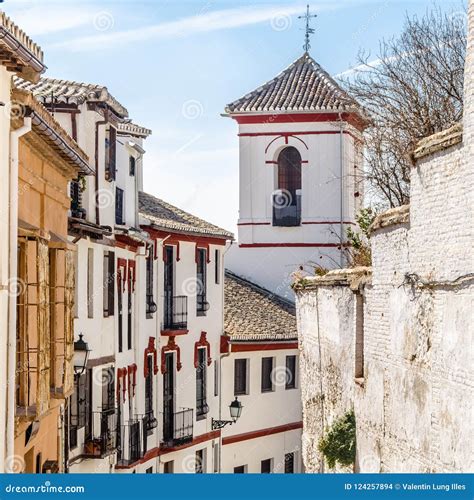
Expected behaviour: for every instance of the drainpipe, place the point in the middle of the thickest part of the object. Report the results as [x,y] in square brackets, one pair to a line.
[13,272]
[341,171]
[97,125]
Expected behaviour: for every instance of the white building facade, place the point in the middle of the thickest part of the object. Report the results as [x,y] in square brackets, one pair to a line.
[260,364]
[300,138]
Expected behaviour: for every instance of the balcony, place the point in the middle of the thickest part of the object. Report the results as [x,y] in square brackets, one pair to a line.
[132,441]
[175,314]
[177,428]
[286,209]
[101,436]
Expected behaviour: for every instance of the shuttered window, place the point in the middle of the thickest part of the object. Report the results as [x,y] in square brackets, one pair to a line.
[267,369]
[110,153]
[119,206]
[290,372]
[240,376]
[109,283]
[201,389]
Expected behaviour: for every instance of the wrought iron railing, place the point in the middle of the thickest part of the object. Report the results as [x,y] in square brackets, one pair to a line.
[178,428]
[175,312]
[101,435]
[133,441]
[286,209]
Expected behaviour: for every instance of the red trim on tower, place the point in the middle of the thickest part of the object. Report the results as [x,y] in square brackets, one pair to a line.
[262,346]
[261,433]
[285,135]
[205,344]
[267,118]
[315,132]
[254,224]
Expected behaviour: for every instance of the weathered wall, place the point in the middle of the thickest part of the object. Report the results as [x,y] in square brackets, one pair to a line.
[413,405]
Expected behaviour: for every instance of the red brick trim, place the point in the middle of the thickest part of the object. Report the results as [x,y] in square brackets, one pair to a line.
[205,344]
[224,344]
[121,273]
[154,452]
[150,350]
[261,433]
[262,346]
[171,346]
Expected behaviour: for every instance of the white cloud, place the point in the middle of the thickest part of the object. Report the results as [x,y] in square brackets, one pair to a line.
[201,23]
[48,19]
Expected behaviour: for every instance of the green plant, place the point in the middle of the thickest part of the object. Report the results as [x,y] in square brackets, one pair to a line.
[339,443]
[82,183]
[359,253]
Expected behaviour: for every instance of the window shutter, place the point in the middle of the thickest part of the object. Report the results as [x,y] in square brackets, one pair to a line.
[111,284]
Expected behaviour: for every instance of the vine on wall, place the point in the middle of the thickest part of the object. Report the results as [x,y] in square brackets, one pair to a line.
[339,443]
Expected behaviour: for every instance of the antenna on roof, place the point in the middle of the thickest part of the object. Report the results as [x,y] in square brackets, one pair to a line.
[308,29]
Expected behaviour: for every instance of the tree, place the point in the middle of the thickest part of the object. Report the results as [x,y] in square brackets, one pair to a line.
[413,89]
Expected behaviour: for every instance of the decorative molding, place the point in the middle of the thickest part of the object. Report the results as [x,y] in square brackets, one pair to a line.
[202,343]
[132,275]
[121,273]
[150,350]
[171,346]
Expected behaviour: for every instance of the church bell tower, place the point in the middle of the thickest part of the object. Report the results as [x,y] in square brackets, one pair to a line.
[300,166]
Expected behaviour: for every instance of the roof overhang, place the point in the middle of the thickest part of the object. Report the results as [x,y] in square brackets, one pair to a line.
[19,53]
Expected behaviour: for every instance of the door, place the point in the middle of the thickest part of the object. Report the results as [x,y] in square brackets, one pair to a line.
[168,398]
[168,286]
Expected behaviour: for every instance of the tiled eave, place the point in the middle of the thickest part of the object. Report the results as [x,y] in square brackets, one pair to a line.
[18,52]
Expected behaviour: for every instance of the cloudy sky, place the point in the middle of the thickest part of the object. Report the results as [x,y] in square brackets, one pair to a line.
[175,64]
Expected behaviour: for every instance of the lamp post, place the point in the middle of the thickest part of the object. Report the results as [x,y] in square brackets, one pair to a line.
[235,411]
[81,353]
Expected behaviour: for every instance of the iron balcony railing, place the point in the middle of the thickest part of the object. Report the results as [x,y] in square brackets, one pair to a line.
[101,435]
[178,428]
[286,209]
[133,441]
[175,312]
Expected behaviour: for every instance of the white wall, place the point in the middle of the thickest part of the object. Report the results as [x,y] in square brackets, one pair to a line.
[261,410]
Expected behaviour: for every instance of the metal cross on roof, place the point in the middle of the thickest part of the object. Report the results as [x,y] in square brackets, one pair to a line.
[308,30]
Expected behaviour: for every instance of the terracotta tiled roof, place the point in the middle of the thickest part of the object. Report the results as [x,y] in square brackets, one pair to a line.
[303,86]
[69,92]
[254,313]
[133,129]
[168,217]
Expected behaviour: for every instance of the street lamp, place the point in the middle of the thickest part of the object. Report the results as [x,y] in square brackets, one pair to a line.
[235,411]
[81,353]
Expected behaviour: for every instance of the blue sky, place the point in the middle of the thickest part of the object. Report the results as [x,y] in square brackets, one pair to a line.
[175,64]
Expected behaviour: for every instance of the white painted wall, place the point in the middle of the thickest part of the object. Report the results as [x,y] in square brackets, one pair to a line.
[329,170]
[261,410]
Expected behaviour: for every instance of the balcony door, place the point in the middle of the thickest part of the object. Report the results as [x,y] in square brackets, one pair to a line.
[168,286]
[168,398]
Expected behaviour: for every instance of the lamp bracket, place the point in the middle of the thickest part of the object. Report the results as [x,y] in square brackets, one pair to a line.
[219,424]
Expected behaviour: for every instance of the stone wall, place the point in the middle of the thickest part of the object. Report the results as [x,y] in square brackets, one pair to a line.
[413,401]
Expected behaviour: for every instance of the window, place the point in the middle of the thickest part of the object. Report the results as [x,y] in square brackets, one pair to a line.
[266,466]
[81,385]
[216,458]
[119,206]
[109,283]
[149,390]
[73,419]
[240,376]
[149,470]
[120,317]
[90,282]
[201,281]
[289,463]
[129,317]
[287,197]
[201,389]
[168,467]
[200,466]
[217,266]
[267,369]
[359,342]
[38,463]
[76,200]
[240,469]
[110,153]
[290,372]
[108,389]
[216,378]
[132,164]
[150,302]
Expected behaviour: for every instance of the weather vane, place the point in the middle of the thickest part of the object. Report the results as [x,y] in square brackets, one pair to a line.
[308,30]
